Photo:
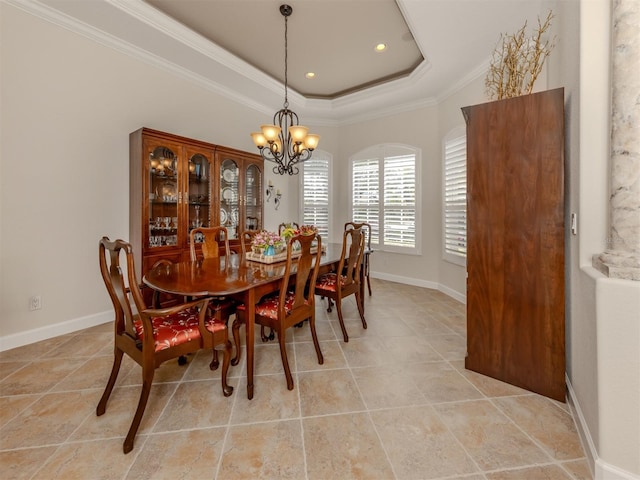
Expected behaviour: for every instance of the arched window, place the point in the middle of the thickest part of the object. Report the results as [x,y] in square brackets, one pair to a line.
[385,193]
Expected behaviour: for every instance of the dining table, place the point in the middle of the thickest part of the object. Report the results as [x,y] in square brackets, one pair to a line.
[234,276]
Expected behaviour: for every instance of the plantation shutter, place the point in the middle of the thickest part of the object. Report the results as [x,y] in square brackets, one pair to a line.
[455,197]
[400,201]
[366,194]
[316,195]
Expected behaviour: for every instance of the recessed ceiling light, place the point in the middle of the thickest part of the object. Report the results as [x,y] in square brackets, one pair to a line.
[310,75]
[381,47]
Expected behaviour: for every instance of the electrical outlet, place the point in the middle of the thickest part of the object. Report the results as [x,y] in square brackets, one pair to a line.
[35,302]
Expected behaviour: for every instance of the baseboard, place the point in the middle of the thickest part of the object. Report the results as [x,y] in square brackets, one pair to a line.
[605,471]
[600,469]
[43,333]
[462,298]
[420,283]
[583,430]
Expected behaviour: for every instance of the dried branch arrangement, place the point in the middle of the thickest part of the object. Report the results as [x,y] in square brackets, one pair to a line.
[517,61]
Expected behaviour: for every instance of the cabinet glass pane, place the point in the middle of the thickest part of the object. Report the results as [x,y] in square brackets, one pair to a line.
[199,191]
[230,197]
[253,195]
[163,197]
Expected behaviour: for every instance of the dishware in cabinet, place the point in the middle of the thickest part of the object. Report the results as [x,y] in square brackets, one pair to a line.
[199,202]
[170,193]
[240,193]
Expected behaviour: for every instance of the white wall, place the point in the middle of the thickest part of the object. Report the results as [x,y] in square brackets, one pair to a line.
[603,327]
[605,355]
[68,106]
[418,128]
[453,277]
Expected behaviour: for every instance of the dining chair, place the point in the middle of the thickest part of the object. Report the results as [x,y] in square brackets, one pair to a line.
[295,300]
[345,280]
[246,237]
[283,226]
[152,336]
[366,229]
[209,238]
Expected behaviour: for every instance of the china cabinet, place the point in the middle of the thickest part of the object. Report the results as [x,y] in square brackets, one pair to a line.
[177,184]
[515,259]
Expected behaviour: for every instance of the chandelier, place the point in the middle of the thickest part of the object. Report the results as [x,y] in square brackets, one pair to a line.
[285,142]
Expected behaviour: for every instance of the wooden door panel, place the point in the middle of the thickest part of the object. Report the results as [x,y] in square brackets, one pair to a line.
[515,263]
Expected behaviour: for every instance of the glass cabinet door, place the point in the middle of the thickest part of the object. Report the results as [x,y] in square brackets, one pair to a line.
[163,195]
[253,198]
[198,191]
[230,197]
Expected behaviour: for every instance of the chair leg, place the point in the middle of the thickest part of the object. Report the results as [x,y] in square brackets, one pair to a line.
[283,354]
[344,330]
[264,337]
[316,344]
[147,380]
[359,301]
[369,284]
[330,306]
[214,361]
[236,339]
[226,357]
[117,361]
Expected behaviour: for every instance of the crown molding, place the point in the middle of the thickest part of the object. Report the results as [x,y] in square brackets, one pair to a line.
[166,44]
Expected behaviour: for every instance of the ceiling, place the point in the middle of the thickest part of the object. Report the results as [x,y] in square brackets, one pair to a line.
[334,39]
[236,47]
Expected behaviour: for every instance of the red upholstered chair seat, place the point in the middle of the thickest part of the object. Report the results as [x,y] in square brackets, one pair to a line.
[177,329]
[328,281]
[268,306]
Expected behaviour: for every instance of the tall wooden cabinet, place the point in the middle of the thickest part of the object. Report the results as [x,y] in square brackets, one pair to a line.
[515,259]
[177,184]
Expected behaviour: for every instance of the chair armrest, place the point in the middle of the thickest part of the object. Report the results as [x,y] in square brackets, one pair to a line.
[163,312]
[147,314]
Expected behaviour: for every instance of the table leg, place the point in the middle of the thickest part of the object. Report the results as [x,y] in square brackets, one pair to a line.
[250,306]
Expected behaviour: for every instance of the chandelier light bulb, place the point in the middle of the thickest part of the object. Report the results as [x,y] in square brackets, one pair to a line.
[270,132]
[298,132]
[258,139]
[311,141]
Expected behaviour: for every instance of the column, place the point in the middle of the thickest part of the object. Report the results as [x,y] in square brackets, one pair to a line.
[621,259]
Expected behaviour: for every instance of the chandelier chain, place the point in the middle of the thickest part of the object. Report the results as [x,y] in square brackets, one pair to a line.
[286,73]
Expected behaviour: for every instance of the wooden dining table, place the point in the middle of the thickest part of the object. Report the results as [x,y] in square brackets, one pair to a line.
[232,276]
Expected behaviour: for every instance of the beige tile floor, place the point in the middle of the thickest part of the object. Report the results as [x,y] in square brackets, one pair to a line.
[395,402]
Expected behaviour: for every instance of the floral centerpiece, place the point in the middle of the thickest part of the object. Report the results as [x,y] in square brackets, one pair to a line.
[269,247]
[267,243]
[308,230]
[289,232]
[303,230]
